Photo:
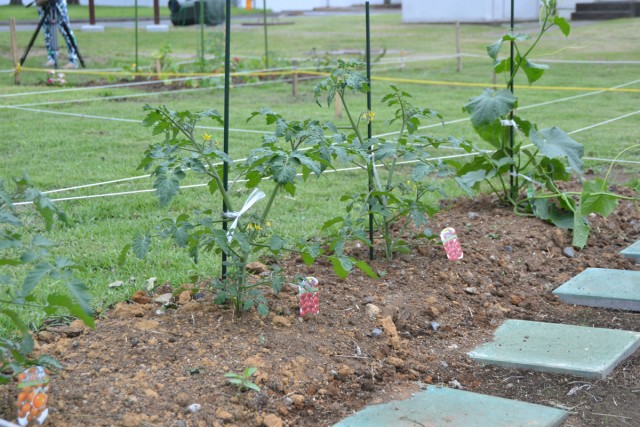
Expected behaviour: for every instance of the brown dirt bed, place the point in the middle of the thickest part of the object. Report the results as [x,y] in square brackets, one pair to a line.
[138,368]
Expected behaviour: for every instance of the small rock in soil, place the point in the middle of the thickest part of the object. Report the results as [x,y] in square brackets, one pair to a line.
[224,415]
[272,420]
[390,328]
[372,310]
[455,384]
[435,325]
[376,332]
[569,252]
[140,297]
[257,268]
[164,298]
[473,215]
[471,290]
[184,297]
[508,249]
[123,310]
[194,407]
[281,321]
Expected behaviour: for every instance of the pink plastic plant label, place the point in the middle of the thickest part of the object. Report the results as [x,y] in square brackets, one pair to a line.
[451,244]
[33,385]
[309,297]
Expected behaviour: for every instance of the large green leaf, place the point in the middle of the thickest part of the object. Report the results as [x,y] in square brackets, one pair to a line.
[167,184]
[554,142]
[533,71]
[486,111]
[33,277]
[581,231]
[562,23]
[595,199]
[141,245]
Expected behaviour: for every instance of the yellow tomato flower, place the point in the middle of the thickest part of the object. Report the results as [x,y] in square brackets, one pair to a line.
[206,137]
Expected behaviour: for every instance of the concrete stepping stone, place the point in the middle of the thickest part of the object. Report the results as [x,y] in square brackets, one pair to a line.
[632,251]
[555,348]
[603,287]
[435,407]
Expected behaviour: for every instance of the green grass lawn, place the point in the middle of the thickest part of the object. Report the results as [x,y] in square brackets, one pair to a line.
[78,135]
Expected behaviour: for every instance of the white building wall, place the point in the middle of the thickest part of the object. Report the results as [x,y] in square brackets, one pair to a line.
[414,11]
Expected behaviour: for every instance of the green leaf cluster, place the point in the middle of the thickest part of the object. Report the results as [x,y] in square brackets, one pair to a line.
[33,263]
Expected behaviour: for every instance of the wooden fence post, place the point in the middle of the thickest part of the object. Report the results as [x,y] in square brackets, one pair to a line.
[294,78]
[14,51]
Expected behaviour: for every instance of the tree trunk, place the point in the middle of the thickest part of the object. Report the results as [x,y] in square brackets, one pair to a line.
[15,3]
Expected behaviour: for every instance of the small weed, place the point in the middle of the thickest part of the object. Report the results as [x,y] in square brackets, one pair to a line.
[243,380]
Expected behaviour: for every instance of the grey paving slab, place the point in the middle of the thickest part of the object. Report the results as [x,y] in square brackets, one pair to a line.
[555,348]
[603,287]
[632,251]
[435,407]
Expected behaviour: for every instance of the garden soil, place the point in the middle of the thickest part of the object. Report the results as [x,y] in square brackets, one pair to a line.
[375,340]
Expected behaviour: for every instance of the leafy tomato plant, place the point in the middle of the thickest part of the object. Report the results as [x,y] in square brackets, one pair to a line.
[395,200]
[33,263]
[289,156]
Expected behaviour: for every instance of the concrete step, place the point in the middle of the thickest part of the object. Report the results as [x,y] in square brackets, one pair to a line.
[563,349]
[600,15]
[603,287]
[632,251]
[607,6]
[445,407]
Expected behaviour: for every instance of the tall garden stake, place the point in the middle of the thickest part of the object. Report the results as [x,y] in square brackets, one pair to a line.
[201,35]
[266,38]
[227,80]
[371,164]
[135,68]
[512,178]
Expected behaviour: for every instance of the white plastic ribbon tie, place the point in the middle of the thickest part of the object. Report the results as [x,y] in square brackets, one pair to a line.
[256,195]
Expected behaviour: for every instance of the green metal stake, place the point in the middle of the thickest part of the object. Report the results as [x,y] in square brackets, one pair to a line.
[513,182]
[369,129]
[201,35]
[135,69]
[227,87]
[266,39]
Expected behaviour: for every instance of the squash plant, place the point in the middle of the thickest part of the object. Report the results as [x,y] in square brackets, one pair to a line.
[525,163]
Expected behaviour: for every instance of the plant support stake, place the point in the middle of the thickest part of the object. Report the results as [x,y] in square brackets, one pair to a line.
[201,35]
[135,68]
[369,128]
[266,38]
[227,80]
[512,179]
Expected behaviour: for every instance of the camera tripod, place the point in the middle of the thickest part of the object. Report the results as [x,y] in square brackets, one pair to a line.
[50,12]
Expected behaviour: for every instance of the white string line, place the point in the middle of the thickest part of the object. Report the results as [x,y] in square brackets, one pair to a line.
[115,119]
[130,84]
[605,122]
[150,190]
[151,94]
[526,107]
[375,136]
[346,169]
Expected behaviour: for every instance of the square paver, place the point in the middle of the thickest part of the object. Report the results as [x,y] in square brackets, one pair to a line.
[555,348]
[435,407]
[632,251]
[603,287]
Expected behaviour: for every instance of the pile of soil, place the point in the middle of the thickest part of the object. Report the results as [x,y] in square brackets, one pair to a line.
[373,341]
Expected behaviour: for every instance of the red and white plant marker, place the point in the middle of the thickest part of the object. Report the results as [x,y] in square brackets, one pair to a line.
[33,385]
[309,297]
[451,244]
